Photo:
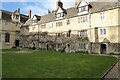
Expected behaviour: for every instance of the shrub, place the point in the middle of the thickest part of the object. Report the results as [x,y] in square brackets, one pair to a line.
[62,49]
[81,51]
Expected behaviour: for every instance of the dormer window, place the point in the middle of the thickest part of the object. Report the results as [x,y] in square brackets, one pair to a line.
[15,17]
[83,8]
[60,15]
[35,21]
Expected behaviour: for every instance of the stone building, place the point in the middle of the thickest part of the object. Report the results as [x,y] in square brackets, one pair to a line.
[88,26]
[10,23]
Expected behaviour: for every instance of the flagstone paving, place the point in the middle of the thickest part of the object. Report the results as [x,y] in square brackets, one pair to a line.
[114,73]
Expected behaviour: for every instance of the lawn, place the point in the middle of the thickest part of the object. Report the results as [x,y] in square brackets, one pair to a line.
[51,64]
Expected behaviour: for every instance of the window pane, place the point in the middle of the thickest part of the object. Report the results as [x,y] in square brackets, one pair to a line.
[7,37]
[104,31]
[58,24]
[68,22]
[101,31]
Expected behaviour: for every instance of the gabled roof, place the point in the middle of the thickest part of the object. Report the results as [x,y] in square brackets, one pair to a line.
[62,9]
[6,15]
[72,12]
[81,1]
[38,17]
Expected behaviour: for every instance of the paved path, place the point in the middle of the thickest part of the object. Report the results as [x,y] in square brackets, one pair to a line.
[114,73]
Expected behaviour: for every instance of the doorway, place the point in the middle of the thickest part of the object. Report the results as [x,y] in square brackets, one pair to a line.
[103,48]
[17,43]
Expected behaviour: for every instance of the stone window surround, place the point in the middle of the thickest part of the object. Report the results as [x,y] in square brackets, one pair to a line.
[103,31]
[7,37]
[82,33]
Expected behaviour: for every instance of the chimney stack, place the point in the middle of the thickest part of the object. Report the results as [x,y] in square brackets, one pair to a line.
[29,13]
[59,4]
[18,10]
[77,2]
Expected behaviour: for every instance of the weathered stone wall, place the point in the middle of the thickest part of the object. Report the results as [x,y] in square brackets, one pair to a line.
[95,48]
[13,29]
[114,48]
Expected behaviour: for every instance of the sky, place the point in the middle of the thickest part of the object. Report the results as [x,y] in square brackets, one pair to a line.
[39,7]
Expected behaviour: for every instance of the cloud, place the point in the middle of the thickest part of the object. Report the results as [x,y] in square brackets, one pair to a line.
[34,8]
[41,7]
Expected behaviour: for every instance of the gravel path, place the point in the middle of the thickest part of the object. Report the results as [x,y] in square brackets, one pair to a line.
[114,73]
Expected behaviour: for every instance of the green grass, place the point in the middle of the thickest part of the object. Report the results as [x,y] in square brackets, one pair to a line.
[8,50]
[51,64]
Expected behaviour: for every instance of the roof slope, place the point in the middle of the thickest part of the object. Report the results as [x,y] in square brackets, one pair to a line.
[47,18]
[72,12]
[28,22]
[6,15]
[100,6]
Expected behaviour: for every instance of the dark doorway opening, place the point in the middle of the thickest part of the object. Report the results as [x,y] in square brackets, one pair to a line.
[17,43]
[103,48]
[47,47]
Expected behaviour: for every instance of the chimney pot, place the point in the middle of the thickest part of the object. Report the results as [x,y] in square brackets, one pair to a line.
[59,4]
[19,10]
[77,2]
[29,13]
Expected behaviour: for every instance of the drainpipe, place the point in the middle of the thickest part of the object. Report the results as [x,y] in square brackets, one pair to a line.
[90,32]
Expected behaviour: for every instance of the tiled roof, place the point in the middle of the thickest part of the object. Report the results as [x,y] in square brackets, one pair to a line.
[100,6]
[28,22]
[47,18]
[6,15]
[72,12]
[23,18]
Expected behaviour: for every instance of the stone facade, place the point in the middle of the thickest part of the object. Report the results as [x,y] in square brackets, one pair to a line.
[10,23]
[82,28]
[73,30]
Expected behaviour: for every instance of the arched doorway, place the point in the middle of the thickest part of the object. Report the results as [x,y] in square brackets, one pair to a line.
[103,48]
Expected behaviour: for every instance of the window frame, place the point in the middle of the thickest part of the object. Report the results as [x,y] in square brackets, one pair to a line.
[83,33]
[58,24]
[7,37]
[59,15]
[103,31]
[43,26]
[102,15]
[82,8]
[68,22]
